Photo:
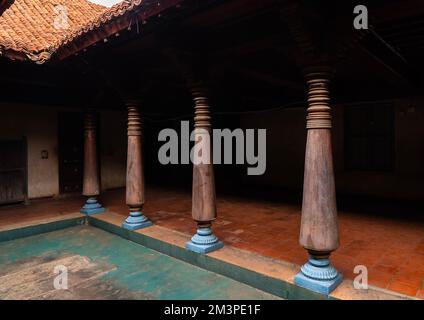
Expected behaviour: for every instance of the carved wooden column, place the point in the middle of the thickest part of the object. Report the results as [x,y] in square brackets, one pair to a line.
[91,182]
[319,227]
[203,197]
[135,173]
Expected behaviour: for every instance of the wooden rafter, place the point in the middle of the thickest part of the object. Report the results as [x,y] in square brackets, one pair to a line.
[388,56]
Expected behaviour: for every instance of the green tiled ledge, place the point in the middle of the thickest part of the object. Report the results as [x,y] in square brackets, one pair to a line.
[257,280]
[260,281]
[275,286]
[22,232]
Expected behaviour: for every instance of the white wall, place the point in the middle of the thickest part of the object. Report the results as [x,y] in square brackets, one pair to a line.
[39,125]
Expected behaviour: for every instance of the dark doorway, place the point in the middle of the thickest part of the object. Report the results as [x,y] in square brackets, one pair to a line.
[71,151]
[13,171]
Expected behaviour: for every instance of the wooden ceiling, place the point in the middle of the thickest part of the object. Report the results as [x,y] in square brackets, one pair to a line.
[248,53]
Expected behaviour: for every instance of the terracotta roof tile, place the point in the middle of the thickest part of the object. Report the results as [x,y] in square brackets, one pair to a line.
[32,26]
[100,20]
[28,26]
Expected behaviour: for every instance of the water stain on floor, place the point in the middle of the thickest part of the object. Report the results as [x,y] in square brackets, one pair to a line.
[101,265]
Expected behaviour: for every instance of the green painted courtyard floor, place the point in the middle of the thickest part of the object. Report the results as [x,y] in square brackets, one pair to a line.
[105,266]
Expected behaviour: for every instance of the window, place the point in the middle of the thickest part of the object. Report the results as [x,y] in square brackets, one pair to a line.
[369,137]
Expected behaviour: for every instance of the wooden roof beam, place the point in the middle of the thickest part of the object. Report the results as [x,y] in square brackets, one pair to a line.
[386,55]
[271,79]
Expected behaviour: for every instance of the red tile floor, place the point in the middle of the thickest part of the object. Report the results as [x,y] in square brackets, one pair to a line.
[392,248]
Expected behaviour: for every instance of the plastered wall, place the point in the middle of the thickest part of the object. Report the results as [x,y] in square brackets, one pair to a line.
[39,125]
[40,128]
[286,139]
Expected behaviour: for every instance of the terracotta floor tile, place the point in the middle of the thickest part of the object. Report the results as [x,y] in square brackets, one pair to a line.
[353,248]
[409,278]
[368,259]
[379,279]
[404,288]
[386,268]
[420,248]
[394,259]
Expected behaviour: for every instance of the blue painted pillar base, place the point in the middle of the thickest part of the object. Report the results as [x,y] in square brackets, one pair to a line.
[92,207]
[136,220]
[204,241]
[318,275]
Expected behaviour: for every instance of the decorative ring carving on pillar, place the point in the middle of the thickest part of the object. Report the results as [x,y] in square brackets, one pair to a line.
[202,118]
[134,121]
[319,110]
[89,122]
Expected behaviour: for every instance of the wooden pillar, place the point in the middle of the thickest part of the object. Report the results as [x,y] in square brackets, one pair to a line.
[319,227]
[135,174]
[203,197]
[91,181]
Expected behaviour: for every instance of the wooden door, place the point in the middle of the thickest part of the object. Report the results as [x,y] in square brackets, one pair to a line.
[71,151]
[13,171]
